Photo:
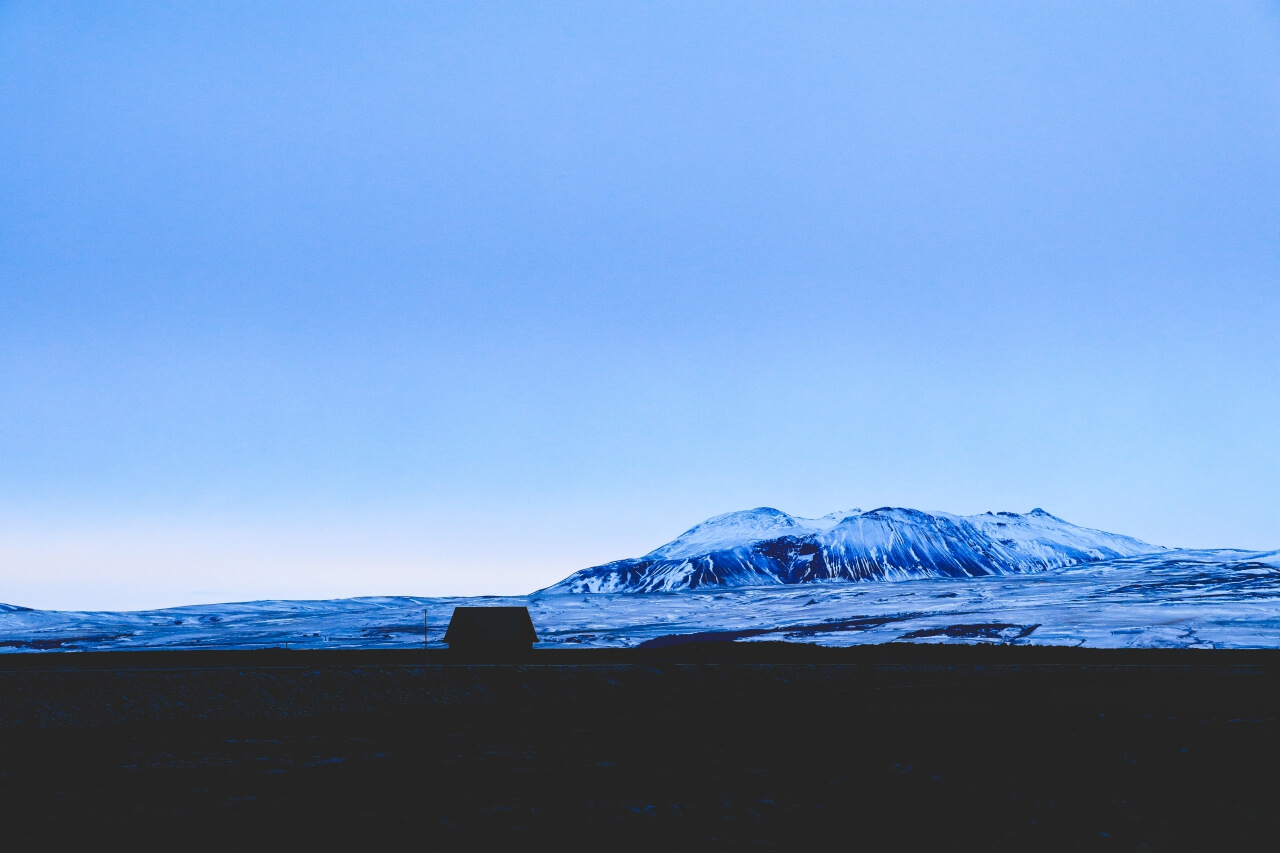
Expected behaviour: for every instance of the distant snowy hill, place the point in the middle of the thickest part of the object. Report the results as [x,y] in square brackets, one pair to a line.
[1188,599]
[765,546]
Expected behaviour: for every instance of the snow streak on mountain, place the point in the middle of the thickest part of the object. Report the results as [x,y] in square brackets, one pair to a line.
[765,546]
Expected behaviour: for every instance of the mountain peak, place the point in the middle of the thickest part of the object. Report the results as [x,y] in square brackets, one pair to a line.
[727,531]
[768,546]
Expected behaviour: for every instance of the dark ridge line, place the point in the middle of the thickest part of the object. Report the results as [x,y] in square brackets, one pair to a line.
[698,651]
[859,624]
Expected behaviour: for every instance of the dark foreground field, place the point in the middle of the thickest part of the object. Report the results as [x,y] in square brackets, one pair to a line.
[682,748]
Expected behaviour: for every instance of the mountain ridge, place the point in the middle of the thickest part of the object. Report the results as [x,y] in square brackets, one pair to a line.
[766,546]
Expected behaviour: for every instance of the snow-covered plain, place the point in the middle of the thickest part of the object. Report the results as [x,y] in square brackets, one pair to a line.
[1168,598]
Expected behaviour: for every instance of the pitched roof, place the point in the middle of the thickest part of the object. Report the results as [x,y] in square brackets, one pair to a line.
[472,625]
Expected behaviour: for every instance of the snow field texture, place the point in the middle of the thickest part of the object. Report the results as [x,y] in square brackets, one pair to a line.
[1221,599]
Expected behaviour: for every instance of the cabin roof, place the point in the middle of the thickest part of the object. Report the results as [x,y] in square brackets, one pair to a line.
[472,625]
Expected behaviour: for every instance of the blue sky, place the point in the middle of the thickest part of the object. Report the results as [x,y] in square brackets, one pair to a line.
[309,300]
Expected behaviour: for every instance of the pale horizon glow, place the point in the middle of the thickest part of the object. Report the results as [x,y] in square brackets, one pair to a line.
[449,299]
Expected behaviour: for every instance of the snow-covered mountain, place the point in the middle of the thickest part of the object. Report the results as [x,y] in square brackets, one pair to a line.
[765,546]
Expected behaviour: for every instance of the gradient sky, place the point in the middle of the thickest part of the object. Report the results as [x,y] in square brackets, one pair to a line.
[315,300]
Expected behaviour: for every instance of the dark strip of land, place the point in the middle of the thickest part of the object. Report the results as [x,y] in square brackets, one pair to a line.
[691,746]
[689,649]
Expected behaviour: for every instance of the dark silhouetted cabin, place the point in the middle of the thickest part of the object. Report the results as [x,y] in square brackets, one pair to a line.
[490,633]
